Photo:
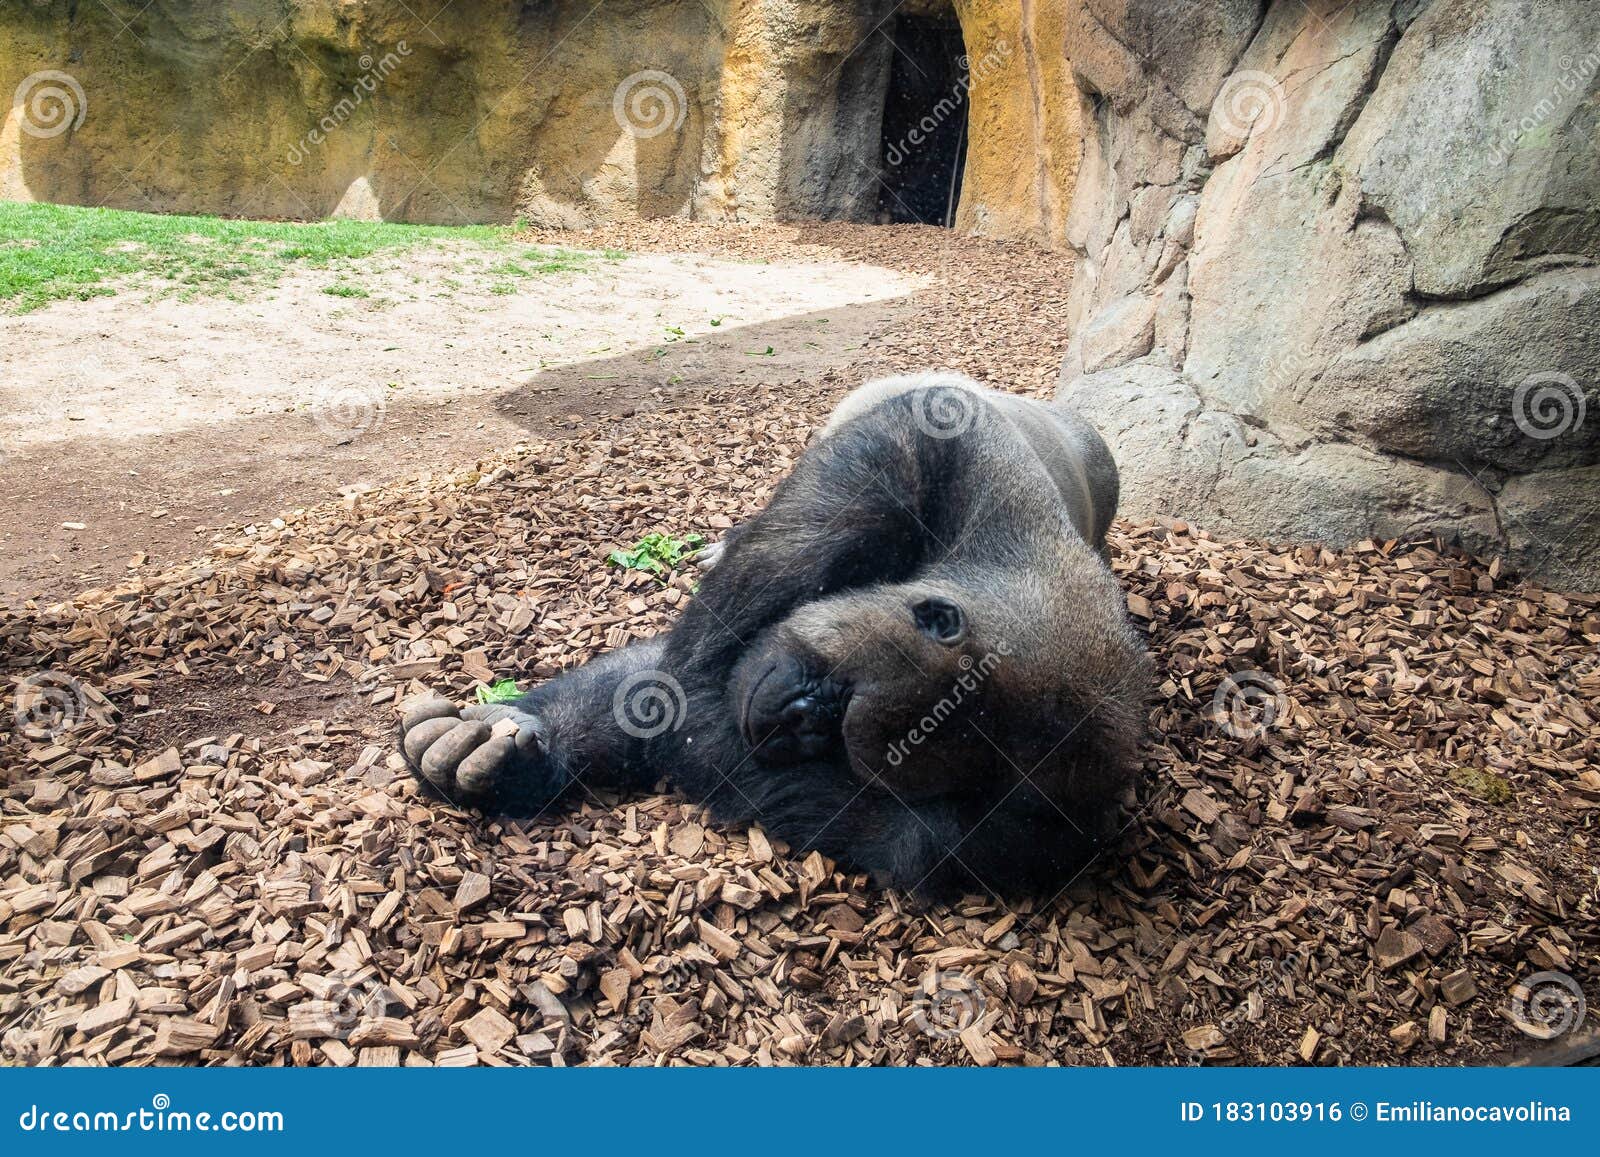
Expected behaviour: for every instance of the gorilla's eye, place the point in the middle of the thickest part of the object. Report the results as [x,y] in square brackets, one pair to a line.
[940,619]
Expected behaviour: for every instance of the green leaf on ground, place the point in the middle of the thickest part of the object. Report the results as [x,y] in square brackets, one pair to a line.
[656,553]
[501,692]
[1482,785]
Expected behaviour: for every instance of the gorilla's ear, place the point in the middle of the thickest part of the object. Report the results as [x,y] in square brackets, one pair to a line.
[940,619]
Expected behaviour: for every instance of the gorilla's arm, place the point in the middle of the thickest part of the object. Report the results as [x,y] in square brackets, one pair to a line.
[589,727]
[856,510]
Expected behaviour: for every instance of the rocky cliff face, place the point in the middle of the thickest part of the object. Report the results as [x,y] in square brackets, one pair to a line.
[1337,272]
[558,110]
[1024,129]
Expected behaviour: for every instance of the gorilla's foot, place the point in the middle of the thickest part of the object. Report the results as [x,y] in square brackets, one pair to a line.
[488,755]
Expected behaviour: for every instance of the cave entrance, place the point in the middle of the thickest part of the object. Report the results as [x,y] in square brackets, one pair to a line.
[924,120]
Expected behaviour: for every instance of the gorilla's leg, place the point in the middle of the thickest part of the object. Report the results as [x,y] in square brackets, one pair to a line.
[590,727]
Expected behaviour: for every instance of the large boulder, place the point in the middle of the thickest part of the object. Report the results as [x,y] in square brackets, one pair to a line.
[1337,271]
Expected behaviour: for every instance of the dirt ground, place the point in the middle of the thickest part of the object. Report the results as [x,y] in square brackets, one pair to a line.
[210,854]
[155,423]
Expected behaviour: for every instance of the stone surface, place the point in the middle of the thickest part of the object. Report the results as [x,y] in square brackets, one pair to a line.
[1370,231]
[1023,129]
[561,112]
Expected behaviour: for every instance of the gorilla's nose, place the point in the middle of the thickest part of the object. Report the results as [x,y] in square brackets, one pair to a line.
[789,715]
[802,715]
[804,727]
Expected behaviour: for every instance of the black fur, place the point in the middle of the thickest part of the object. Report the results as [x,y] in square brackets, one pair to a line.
[891,565]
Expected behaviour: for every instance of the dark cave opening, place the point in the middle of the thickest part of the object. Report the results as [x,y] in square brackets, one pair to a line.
[924,122]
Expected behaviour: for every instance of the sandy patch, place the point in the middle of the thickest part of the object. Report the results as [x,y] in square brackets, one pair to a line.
[154,421]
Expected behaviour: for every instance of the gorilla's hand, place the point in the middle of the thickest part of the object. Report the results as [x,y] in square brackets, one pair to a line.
[488,755]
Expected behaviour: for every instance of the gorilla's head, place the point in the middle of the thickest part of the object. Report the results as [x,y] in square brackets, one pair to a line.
[949,683]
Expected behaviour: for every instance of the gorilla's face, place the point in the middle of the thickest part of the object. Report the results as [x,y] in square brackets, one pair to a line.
[890,681]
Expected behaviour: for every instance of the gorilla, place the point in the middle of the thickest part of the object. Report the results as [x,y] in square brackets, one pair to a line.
[915,659]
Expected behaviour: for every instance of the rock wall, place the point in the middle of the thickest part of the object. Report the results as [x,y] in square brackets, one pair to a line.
[1337,270]
[1023,122]
[558,110]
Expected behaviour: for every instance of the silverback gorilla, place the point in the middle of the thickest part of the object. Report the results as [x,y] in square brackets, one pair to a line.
[914,660]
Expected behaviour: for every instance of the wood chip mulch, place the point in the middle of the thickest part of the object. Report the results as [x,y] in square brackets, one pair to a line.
[1369,805]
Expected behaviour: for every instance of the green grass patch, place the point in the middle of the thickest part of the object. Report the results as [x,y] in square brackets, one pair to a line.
[539,262]
[345,289]
[64,252]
